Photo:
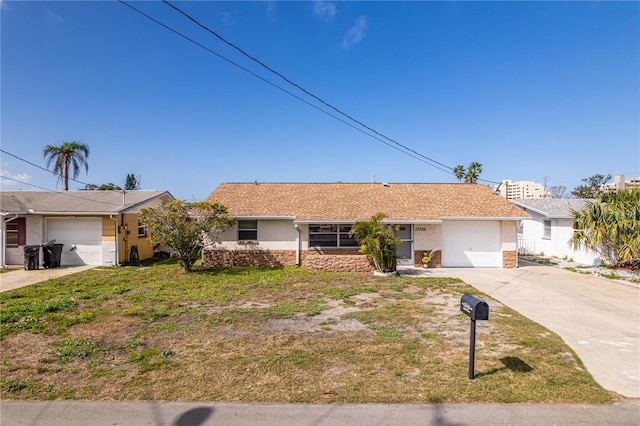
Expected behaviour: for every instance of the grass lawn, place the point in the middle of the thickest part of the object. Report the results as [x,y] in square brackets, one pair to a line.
[273,335]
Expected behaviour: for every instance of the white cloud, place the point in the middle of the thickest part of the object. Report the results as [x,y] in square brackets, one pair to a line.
[355,33]
[227,19]
[11,181]
[324,10]
[54,16]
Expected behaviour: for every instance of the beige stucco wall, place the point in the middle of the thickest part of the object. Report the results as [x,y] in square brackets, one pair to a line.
[272,235]
[427,237]
[508,232]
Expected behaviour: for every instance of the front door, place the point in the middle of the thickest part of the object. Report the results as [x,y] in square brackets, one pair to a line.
[404,253]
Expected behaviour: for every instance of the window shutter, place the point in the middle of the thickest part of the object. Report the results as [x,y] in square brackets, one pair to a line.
[22,231]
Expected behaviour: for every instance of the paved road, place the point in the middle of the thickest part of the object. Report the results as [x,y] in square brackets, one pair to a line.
[598,318]
[65,413]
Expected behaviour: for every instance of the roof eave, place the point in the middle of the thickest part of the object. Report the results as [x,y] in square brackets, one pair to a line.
[484,217]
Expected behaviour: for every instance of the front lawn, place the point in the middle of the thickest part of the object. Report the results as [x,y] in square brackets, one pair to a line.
[274,335]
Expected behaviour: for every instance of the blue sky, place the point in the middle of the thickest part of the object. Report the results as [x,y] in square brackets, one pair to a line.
[528,89]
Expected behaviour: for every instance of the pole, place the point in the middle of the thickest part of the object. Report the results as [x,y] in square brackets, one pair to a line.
[472,349]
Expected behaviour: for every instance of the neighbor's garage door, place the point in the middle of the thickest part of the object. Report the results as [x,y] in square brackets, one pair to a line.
[82,239]
[471,244]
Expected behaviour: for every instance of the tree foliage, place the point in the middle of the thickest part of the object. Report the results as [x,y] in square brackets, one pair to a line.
[104,187]
[67,157]
[377,241]
[131,183]
[557,191]
[590,187]
[610,226]
[185,227]
[470,174]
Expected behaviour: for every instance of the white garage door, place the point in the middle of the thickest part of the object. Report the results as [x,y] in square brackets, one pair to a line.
[82,239]
[467,244]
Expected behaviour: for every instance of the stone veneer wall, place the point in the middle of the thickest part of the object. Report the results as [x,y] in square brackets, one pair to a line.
[509,259]
[339,260]
[314,260]
[436,259]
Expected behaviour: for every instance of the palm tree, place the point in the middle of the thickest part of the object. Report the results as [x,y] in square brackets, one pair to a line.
[610,226]
[377,241]
[459,172]
[473,172]
[67,155]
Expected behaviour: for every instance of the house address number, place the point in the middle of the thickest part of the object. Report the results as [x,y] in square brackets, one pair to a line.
[421,228]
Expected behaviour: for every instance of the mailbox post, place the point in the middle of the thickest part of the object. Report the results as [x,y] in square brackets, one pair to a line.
[475,309]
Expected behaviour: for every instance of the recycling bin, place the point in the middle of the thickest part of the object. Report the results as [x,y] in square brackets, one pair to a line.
[31,257]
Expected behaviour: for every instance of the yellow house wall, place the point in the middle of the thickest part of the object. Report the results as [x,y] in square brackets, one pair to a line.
[129,237]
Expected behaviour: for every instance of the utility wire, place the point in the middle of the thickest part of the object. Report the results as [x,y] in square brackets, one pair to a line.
[268,68]
[394,144]
[281,88]
[41,168]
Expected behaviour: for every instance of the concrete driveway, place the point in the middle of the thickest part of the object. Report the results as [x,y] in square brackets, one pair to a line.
[598,318]
[20,277]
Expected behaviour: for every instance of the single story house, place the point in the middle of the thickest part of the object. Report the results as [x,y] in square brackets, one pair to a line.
[549,230]
[96,227]
[308,224]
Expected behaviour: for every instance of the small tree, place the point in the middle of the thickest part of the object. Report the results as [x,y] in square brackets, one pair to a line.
[557,191]
[610,226]
[185,227]
[377,241]
[591,186]
[131,184]
[104,187]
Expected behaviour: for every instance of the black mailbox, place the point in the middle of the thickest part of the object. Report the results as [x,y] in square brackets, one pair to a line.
[475,308]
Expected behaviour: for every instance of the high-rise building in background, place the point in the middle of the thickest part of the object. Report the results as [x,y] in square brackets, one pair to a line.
[521,190]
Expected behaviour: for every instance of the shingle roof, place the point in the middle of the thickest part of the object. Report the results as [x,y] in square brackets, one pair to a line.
[557,208]
[360,201]
[76,202]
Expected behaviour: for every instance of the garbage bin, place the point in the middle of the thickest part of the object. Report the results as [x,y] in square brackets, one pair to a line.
[51,254]
[31,257]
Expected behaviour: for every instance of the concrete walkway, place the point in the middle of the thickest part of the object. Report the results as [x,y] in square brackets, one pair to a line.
[598,318]
[158,413]
[20,277]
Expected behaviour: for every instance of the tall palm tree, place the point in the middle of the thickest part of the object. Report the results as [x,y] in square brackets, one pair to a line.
[67,155]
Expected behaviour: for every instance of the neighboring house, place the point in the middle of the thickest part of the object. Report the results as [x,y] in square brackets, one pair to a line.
[96,227]
[549,230]
[466,225]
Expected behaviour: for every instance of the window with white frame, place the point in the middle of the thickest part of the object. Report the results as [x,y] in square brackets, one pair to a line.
[546,234]
[247,230]
[142,231]
[331,235]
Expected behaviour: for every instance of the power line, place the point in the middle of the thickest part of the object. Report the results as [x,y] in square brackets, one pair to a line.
[415,156]
[59,175]
[268,68]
